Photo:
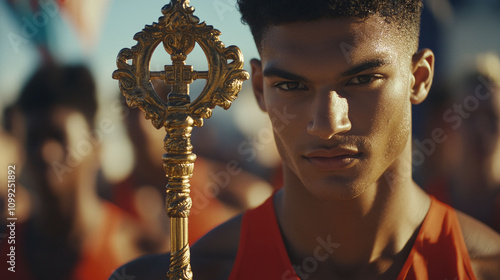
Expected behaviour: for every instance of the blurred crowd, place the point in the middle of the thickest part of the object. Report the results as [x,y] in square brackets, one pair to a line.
[72,222]
[75,222]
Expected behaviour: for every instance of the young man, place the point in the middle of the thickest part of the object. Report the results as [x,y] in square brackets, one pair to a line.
[347,73]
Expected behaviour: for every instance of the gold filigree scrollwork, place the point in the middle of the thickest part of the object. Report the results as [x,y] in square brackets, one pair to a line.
[179,31]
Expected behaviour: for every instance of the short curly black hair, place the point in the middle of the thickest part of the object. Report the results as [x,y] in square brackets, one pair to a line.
[260,14]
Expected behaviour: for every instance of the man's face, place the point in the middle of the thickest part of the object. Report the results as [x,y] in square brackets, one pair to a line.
[346,86]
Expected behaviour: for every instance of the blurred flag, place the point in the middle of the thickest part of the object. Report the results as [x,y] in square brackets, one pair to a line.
[35,18]
[87,17]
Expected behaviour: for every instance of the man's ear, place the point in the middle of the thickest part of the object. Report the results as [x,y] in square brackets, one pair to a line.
[422,75]
[258,83]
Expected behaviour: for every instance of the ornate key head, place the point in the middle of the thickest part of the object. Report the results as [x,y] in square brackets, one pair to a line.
[179,30]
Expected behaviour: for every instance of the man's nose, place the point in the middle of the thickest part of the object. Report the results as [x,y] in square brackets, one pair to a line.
[330,115]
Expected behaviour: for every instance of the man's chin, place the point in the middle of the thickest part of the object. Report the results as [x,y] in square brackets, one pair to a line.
[327,191]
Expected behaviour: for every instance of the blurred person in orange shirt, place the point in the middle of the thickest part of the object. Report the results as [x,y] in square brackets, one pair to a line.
[71,233]
[474,120]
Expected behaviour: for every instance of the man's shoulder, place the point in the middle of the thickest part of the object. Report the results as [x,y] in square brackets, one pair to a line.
[212,257]
[483,245]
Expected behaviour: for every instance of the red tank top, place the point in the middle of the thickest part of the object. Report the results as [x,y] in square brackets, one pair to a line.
[439,251]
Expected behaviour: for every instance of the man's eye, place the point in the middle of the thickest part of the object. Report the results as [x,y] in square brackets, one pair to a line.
[359,80]
[290,86]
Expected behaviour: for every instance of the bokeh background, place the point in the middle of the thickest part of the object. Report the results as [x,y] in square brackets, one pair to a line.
[456,132]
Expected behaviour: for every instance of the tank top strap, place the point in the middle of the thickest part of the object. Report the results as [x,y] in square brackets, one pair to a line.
[439,251]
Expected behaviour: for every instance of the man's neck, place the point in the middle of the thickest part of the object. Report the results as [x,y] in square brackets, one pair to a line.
[372,227]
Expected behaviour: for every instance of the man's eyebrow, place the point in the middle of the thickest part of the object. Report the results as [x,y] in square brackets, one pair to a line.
[365,66]
[277,72]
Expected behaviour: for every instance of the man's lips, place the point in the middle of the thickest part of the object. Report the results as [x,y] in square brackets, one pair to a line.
[333,159]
